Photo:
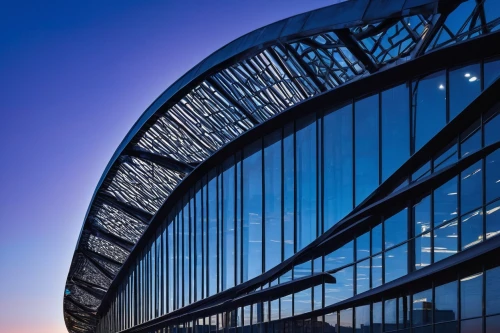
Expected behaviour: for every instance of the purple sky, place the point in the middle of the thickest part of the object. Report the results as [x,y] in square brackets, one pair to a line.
[74,77]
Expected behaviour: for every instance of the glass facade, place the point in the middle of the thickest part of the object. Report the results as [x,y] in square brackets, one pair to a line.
[356,142]
[274,198]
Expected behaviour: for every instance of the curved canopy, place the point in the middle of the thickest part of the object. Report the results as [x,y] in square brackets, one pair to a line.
[236,88]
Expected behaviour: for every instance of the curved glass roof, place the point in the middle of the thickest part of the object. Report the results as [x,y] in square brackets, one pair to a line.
[239,86]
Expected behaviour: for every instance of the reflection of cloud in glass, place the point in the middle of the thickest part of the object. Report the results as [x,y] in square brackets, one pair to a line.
[491,211]
[471,277]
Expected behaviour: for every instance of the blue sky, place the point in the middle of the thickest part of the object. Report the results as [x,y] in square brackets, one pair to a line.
[74,77]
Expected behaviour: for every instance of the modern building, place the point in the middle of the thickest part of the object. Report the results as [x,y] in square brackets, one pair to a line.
[337,171]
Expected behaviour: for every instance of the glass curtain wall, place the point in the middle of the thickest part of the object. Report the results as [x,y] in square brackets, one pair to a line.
[276,195]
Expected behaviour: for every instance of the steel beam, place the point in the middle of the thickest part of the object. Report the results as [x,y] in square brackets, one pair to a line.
[101,257]
[78,304]
[80,282]
[279,61]
[436,24]
[120,242]
[98,266]
[138,213]
[164,161]
[375,30]
[287,48]
[89,290]
[88,321]
[231,100]
[352,44]
[189,132]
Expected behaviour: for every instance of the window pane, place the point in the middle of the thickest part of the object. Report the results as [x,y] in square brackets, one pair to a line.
[302,302]
[451,327]
[239,222]
[446,158]
[343,289]
[185,253]
[423,251]
[471,290]
[377,239]
[492,10]
[198,244]
[423,171]
[377,270]
[455,21]
[289,191]
[472,229]
[446,302]
[422,215]
[491,68]
[423,329]
[179,246]
[445,241]
[363,276]
[471,326]
[366,131]
[272,191]
[340,257]
[362,318]
[471,144]
[465,86]
[306,181]
[287,301]
[491,133]
[395,229]
[330,323]
[228,201]
[429,107]
[493,324]
[390,315]
[404,312]
[338,166]
[396,263]
[377,317]
[422,308]
[346,321]
[246,317]
[493,291]
[493,176]
[275,309]
[445,202]
[252,211]
[493,219]
[471,188]
[171,260]
[212,234]
[395,115]
[363,246]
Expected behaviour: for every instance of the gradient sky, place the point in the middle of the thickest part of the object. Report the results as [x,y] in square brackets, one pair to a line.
[74,77]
